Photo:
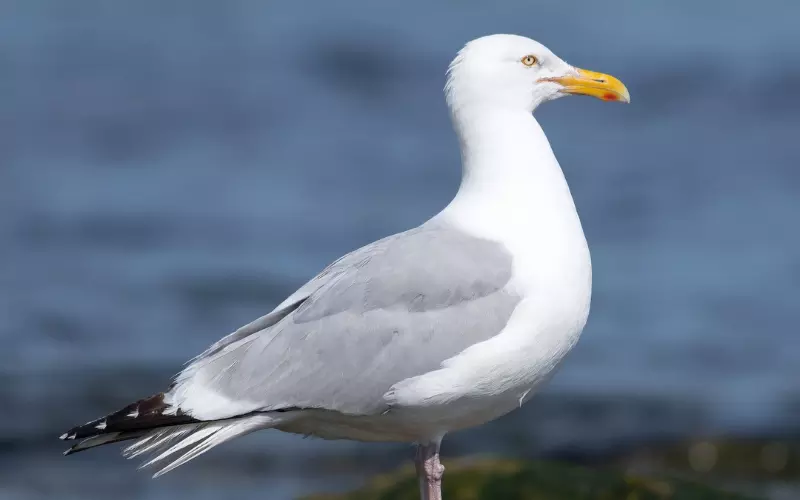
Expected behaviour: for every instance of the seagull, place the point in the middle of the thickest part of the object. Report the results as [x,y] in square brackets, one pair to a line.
[443,327]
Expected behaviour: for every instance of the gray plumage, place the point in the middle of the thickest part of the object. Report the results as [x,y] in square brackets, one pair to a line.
[394,309]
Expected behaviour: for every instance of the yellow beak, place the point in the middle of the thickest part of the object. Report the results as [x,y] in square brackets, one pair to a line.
[594,84]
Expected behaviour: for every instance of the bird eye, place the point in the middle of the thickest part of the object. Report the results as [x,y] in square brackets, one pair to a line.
[529,60]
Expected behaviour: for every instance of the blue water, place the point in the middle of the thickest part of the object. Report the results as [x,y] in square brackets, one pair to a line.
[170,170]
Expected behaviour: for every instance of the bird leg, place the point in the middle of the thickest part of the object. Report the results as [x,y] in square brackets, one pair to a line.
[429,471]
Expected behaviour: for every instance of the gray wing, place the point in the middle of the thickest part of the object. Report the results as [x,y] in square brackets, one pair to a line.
[333,271]
[391,310]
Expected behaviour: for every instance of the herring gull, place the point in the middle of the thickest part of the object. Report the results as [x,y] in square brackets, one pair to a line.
[442,327]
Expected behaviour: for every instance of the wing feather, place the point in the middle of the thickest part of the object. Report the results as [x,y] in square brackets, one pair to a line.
[389,311]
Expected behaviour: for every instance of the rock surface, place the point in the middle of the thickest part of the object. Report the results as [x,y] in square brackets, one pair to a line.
[535,480]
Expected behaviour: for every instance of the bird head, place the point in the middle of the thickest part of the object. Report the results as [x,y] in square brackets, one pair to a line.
[514,71]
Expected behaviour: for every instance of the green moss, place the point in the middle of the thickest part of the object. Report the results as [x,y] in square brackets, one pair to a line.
[740,459]
[513,480]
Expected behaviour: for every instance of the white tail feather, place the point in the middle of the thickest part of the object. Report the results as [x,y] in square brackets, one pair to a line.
[194,437]
[203,446]
[186,442]
[157,439]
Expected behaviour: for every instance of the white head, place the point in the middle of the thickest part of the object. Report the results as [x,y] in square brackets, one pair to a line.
[516,72]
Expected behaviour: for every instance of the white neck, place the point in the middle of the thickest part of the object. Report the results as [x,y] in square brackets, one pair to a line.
[511,181]
[514,192]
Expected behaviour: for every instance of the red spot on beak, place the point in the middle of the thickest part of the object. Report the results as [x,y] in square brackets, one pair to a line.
[608,96]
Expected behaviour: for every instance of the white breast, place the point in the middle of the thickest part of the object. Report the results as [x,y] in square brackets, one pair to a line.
[513,191]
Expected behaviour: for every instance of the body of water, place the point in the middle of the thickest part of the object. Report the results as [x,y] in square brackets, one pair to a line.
[170,170]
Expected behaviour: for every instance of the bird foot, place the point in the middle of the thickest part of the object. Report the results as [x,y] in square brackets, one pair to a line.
[429,471]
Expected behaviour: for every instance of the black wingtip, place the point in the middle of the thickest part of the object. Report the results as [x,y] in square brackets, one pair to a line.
[132,420]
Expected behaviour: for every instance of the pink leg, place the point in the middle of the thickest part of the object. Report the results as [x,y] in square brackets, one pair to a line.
[429,471]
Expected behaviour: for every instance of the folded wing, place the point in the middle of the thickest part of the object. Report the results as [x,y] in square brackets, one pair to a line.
[389,311]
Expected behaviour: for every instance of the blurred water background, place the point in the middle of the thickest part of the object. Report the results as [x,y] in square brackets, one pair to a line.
[172,169]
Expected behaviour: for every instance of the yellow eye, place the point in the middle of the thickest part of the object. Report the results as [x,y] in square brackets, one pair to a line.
[529,60]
